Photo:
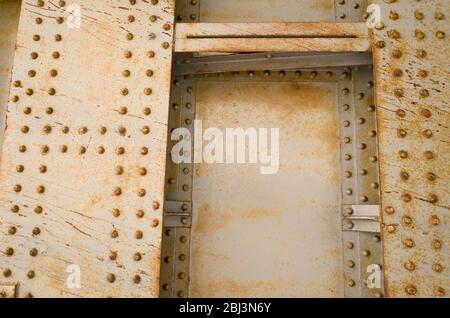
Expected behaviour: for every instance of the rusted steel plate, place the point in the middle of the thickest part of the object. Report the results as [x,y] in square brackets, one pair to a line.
[269,235]
[82,170]
[410,52]
[275,37]
[9,15]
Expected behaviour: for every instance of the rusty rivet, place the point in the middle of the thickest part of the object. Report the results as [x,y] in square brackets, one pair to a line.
[396,53]
[418,15]
[148,91]
[404,175]
[111,278]
[348,191]
[434,220]
[424,93]
[181,275]
[143,151]
[183,239]
[113,255]
[391,228]
[29,92]
[155,223]
[20,168]
[429,155]
[389,210]
[165,45]
[9,251]
[406,197]
[400,113]
[374,185]
[409,243]
[406,220]
[347,174]
[349,245]
[351,283]
[393,34]
[348,157]
[393,15]
[27,110]
[167,26]
[403,154]
[431,176]
[141,192]
[82,150]
[12,230]
[42,168]
[419,34]
[411,290]
[7,272]
[398,92]
[15,99]
[437,244]
[117,191]
[33,252]
[120,150]
[38,209]
[380,44]
[36,231]
[440,34]
[130,36]
[432,198]
[114,233]
[17,188]
[366,253]
[40,189]
[401,133]
[31,274]
[136,279]
[421,53]
[22,148]
[438,268]
[425,113]
[116,212]
[410,266]
[397,72]
[427,133]
[439,15]
[155,205]
[137,256]
[140,213]
[15,209]
[350,264]
[142,171]
[139,235]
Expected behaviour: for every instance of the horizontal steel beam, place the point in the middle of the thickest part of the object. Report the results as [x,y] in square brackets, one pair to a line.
[271,37]
[267,61]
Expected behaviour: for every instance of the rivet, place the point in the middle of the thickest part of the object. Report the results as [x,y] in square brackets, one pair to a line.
[396,54]
[374,185]
[113,255]
[440,34]
[400,113]
[421,53]
[141,192]
[38,209]
[406,220]
[136,279]
[434,220]
[155,205]
[401,133]
[148,91]
[31,274]
[12,230]
[389,210]
[406,197]
[165,45]
[183,239]
[348,191]
[29,92]
[7,272]
[114,234]
[33,252]
[380,44]
[137,257]
[147,111]
[36,37]
[111,278]
[349,245]
[391,228]
[425,113]
[15,99]
[397,72]
[22,148]
[437,244]
[349,225]
[116,212]
[151,54]
[431,176]
[409,243]
[404,175]
[140,213]
[144,151]
[418,15]
[419,34]
[145,130]
[351,283]
[17,188]
[398,92]
[347,174]
[139,235]
[438,268]
[366,253]
[393,15]
[117,191]
[433,198]
[411,290]
[394,34]
[350,264]
[439,15]
[410,266]
[348,157]
[142,171]
[120,150]
[424,93]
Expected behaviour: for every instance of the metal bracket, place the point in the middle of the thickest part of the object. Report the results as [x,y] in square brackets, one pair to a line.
[361,218]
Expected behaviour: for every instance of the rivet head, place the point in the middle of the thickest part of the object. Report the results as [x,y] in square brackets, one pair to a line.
[433,198]
[351,283]
[409,243]
[411,290]
[434,220]
[389,210]
[111,278]
[439,292]
[406,220]
[114,233]
[438,268]
[33,252]
[113,255]
[390,228]
[437,244]
[410,266]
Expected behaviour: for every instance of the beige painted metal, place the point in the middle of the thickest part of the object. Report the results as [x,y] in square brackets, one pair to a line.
[411,68]
[9,17]
[273,37]
[82,170]
[269,235]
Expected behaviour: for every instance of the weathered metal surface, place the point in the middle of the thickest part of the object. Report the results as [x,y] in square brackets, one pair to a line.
[8,290]
[269,235]
[411,68]
[271,37]
[82,169]
[9,15]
